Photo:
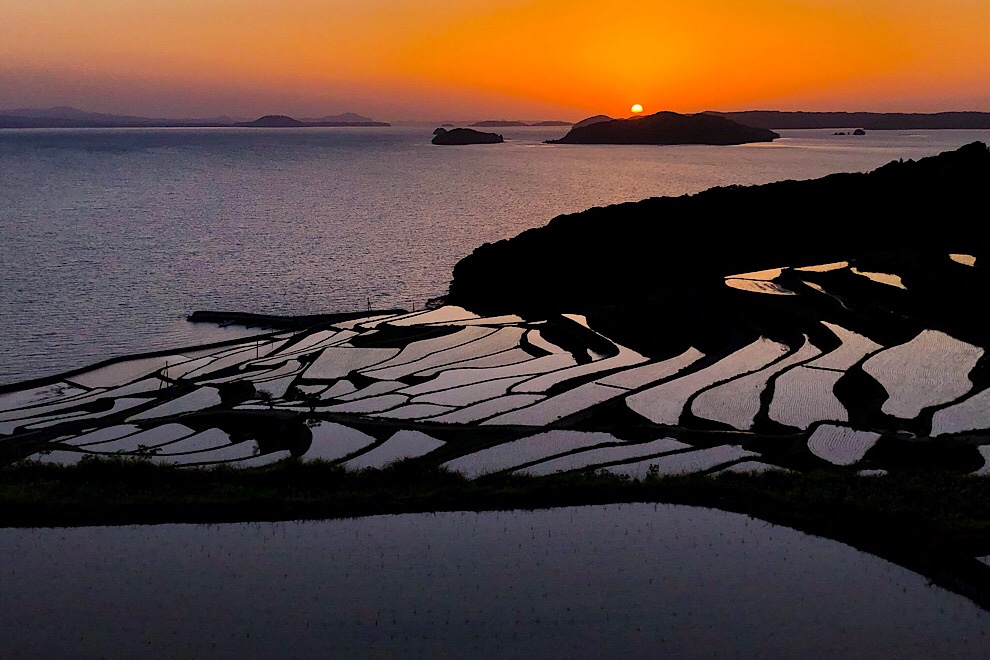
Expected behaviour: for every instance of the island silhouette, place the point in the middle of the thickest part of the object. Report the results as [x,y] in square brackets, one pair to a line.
[68,117]
[875,121]
[283,121]
[464,136]
[667,128]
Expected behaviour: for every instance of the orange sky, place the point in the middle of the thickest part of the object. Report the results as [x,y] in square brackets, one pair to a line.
[459,59]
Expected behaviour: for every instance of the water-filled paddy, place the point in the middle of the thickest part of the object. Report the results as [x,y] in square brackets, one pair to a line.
[737,402]
[313,376]
[805,395]
[663,404]
[683,463]
[634,580]
[931,369]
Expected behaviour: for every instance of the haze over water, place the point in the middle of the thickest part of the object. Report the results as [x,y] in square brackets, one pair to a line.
[111,237]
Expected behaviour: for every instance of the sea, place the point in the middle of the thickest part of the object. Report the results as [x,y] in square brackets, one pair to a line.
[109,238]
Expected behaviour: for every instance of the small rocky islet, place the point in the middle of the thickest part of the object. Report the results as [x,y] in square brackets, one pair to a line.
[464,136]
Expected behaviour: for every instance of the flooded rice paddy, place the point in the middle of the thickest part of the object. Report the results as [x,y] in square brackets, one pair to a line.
[548,394]
[604,581]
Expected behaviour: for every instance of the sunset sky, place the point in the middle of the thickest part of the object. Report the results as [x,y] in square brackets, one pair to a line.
[458,59]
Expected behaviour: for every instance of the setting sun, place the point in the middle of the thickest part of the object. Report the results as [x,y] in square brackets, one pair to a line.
[637,108]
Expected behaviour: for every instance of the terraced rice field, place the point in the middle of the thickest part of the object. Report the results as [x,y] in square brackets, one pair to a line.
[737,402]
[664,404]
[539,408]
[805,395]
[883,278]
[931,369]
[964,259]
[527,450]
[825,268]
[488,409]
[968,415]
[841,445]
[701,460]
[593,458]
[631,379]
[759,275]
[550,410]
[854,348]
[338,362]
[624,358]
[758,286]
[404,444]
[332,442]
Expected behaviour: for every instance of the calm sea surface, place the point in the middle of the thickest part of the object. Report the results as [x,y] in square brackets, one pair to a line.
[111,237]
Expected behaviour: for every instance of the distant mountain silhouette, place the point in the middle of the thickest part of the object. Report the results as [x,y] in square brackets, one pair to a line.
[462,136]
[665,128]
[63,112]
[283,121]
[877,121]
[272,121]
[67,117]
[505,123]
[592,120]
[346,118]
[496,123]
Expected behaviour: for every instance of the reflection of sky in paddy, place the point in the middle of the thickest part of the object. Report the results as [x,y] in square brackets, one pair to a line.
[931,369]
[620,580]
[527,450]
[490,377]
[805,395]
[593,457]
[683,463]
[404,444]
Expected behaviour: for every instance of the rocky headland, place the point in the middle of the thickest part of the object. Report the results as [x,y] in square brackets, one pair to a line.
[629,265]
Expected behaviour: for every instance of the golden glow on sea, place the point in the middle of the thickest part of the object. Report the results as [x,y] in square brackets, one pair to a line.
[494,58]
